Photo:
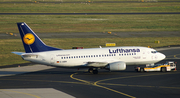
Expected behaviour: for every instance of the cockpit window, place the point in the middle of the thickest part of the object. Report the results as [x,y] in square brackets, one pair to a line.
[153,51]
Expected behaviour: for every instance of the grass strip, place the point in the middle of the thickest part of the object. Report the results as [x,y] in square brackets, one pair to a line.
[80,0]
[89,7]
[91,23]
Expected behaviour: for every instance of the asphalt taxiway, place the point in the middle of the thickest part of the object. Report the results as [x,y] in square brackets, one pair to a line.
[69,83]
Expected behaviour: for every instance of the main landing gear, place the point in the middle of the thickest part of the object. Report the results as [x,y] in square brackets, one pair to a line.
[93,70]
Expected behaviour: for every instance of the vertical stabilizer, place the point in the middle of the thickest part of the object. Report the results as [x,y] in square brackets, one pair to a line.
[32,43]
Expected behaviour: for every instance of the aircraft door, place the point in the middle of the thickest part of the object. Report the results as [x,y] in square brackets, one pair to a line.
[144,55]
[52,59]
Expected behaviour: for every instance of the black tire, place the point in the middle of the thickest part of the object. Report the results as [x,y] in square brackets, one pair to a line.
[90,70]
[163,69]
[95,71]
[136,70]
[141,69]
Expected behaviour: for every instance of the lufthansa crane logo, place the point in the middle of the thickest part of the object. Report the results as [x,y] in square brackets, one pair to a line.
[29,39]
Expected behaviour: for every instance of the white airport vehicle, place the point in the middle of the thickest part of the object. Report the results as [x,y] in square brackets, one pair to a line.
[111,58]
[168,66]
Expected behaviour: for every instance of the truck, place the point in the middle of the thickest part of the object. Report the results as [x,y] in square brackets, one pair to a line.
[168,66]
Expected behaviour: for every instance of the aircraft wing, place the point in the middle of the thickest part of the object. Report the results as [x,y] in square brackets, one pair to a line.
[100,63]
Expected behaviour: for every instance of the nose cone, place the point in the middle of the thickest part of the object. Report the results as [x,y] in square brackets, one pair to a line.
[162,56]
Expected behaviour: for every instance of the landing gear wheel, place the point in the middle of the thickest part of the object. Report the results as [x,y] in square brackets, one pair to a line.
[95,71]
[163,69]
[142,70]
[90,70]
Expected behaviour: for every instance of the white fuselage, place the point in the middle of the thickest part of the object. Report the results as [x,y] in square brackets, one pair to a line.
[103,56]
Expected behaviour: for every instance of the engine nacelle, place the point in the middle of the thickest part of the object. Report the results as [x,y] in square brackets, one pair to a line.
[116,66]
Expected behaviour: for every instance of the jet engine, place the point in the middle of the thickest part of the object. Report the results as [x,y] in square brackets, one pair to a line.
[116,66]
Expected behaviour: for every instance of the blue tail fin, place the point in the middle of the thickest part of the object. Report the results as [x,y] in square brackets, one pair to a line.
[32,43]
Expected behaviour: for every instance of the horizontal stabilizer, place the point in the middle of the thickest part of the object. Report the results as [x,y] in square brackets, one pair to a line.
[18,53]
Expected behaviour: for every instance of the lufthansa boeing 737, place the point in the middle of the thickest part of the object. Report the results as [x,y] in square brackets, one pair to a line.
[111,58]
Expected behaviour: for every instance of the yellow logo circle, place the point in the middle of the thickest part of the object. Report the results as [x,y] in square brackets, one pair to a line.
[29,39]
